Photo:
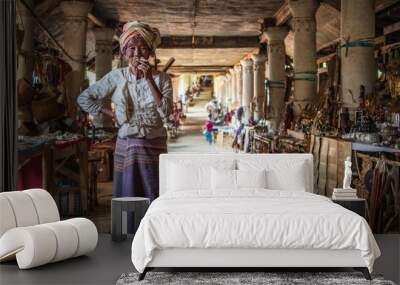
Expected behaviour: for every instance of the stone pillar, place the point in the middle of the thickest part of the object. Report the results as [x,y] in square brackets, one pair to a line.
[259,85]
[239,84]
[276,74]
[215,87]
[25,56]
[220,90]
[224,94]
[104,54]
[357,30]
[305,65]
[228,89]
[247,76]
[175,88]
[233,88]
[103,65]
[75,28]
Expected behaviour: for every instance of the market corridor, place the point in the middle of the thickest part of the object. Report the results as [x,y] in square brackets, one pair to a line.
[191,138]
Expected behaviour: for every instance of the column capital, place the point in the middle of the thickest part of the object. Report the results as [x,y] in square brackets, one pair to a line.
[258,59]
[76,9]
[237,68]
[228,76]
[275,34]
[232,71]
[103,35]
[246,63]
[303,8]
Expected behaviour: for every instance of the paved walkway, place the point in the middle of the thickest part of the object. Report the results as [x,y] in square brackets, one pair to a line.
[191,138]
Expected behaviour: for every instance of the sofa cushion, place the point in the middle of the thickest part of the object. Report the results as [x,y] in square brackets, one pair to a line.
[45,205]
[24,210]
[7,220]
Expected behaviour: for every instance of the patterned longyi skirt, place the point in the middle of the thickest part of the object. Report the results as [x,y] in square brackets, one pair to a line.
[136,167]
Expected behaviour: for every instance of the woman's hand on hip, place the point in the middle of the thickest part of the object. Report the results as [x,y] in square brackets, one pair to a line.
[108,113]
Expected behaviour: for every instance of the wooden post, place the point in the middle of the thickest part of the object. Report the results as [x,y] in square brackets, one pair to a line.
[84,174]
[48,171]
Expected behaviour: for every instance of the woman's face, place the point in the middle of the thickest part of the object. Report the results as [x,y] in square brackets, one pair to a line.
[136,50]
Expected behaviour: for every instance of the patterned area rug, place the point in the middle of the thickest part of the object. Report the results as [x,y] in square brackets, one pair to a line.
[243,278]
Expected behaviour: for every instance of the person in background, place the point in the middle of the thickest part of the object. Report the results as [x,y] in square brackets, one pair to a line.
[228,117]
[238,128]
[143,98]
[188,95]
[208,130]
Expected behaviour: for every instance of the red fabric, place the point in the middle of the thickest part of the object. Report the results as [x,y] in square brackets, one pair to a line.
[128,38]
[209,126]
[30,175]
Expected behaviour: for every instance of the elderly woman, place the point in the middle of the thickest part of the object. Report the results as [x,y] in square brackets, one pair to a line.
[142,98]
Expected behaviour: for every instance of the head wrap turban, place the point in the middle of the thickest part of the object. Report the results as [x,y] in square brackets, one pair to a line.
[132,29]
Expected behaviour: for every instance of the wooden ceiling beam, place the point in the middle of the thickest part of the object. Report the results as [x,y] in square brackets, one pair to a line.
[391,28]
[177,42]
[329,44]
[283,15]
[198,69]
[98,22]
[45,7]
[332,4]
[384,4]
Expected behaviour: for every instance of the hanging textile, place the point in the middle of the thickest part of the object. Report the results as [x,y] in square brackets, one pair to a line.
[390,218]
[8,142]
[384,201]
[376,197]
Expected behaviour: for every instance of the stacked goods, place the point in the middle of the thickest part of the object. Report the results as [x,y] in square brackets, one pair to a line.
[344,194]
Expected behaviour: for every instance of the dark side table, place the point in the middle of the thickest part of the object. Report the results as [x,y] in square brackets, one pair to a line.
[357,205]
[137,205]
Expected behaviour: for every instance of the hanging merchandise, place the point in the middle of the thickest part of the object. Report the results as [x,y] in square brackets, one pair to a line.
[391,202]
[37,77]
[376,197]
[393,83]
[383,183]
[53,73]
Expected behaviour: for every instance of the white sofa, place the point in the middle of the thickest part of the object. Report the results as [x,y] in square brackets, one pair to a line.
[31,230]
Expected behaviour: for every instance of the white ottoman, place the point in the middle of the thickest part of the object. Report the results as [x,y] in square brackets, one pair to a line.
[31,232]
